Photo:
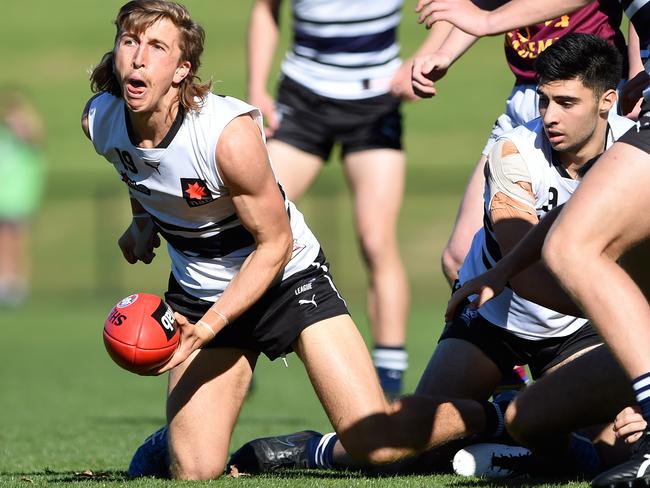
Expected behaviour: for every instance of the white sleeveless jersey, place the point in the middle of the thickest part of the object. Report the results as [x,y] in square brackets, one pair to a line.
[552,186]
[344,49]
[180,187]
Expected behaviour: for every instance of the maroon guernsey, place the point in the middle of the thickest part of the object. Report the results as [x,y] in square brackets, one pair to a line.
[522,46]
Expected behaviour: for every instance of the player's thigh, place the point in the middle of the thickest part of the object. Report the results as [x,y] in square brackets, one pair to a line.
[295,169]
[376,178]
[205,395]
[459,369]
[589,389]
[341,371]
[608,211]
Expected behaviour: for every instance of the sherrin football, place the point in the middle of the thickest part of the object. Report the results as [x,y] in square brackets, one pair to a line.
[140,333]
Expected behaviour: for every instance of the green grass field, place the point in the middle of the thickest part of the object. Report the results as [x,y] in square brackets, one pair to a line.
[65,408]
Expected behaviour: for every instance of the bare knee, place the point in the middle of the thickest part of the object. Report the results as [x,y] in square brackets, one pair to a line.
[559,252]
[373,245]
[195,468]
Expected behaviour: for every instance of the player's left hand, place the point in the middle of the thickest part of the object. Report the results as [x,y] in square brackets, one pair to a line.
[632,93]
[461,13]
[629,425]
[486,286]
[192,338]
[428,69]
[400,85]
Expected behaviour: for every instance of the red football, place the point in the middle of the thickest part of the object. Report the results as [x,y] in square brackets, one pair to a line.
[140,332]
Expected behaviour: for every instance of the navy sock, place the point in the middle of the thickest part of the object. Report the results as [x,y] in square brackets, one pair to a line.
[390,363]
[494,426]
[320,451]
[641,386]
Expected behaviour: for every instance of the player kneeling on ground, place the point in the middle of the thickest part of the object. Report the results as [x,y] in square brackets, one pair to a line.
[248,276]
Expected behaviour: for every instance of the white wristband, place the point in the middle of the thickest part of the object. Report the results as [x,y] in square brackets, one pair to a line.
[206,326]
[222,316]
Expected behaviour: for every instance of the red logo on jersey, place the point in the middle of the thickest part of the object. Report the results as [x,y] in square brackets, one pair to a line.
[195,192]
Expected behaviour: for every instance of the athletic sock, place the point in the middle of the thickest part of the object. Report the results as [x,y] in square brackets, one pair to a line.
[320,451]
[390,363]
[494,425]
[641,386]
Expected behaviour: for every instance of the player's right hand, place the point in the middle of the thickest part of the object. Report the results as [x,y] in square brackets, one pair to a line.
[266,104]
[428,69]
[139,241]
[629,425]
[192,339]
[486,286]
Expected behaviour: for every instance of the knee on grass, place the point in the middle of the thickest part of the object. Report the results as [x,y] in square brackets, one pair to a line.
[196,469]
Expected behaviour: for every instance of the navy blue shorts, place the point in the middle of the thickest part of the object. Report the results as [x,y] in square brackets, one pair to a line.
[507,350]
[314,123]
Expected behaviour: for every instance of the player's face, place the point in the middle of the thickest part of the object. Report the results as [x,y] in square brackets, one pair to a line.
[148,66]
[570,112]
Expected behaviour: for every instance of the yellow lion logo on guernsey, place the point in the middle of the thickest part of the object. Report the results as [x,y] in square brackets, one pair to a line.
[520,40]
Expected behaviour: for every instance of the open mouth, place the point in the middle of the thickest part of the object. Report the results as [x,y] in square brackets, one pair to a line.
[135,86]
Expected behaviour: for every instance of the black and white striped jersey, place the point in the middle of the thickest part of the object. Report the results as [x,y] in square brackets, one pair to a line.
[179,185]
[552,186]
[344,49]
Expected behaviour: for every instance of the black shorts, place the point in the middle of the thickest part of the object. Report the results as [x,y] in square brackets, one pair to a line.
[314,123]
[276,320]
[639,136]
[507,350]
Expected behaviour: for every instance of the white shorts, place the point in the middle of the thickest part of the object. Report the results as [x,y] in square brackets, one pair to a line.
[521,107]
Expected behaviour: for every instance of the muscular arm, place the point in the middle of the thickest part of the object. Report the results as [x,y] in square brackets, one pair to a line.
[513,215]
[263,35]
[245,168]
[246,171]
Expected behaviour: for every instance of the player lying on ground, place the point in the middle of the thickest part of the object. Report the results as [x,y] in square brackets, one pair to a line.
[531,170]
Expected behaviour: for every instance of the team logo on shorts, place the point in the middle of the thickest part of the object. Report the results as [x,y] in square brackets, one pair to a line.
[312,301]
[195,192]
[125,302]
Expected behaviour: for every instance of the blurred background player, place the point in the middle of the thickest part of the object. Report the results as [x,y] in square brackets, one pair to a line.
[21,188]
[342,83]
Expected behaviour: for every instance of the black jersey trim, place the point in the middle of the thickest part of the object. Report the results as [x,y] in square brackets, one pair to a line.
[169,137]
[297,18]
[217,246]
[178,228]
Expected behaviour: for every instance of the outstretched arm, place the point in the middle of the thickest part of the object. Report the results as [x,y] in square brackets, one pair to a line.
[263,34]
[489,17]
[488,285]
